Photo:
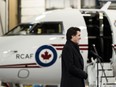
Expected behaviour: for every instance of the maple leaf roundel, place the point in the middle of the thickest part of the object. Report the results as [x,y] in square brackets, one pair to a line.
[45,55]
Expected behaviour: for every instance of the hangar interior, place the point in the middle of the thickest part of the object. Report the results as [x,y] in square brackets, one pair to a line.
[15,12]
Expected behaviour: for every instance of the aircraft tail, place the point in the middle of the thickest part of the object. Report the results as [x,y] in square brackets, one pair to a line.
[106,6]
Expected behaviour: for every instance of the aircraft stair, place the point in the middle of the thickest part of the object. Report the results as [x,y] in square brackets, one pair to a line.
[101,77]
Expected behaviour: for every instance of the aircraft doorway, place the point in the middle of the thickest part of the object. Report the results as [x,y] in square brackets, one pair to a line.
[100,35]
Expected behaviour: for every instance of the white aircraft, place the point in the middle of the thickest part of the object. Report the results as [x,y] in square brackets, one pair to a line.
[31,52]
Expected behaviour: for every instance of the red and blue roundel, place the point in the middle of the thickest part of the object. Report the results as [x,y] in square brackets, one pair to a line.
[46,55]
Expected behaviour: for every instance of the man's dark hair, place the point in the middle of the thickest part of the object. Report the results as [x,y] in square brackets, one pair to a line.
[72,31]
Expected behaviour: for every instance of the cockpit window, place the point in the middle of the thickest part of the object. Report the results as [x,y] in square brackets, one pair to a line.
[44,28]
[21,29]
[48,28]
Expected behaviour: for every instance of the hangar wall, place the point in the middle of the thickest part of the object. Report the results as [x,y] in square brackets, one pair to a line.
[3,16]
[31,8]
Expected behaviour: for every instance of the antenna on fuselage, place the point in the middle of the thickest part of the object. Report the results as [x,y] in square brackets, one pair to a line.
[106,6]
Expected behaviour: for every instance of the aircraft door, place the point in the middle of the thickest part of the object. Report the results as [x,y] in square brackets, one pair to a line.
[100,35]
[112,19]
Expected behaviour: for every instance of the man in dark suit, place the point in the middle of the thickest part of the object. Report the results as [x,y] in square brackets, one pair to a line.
[72,61]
